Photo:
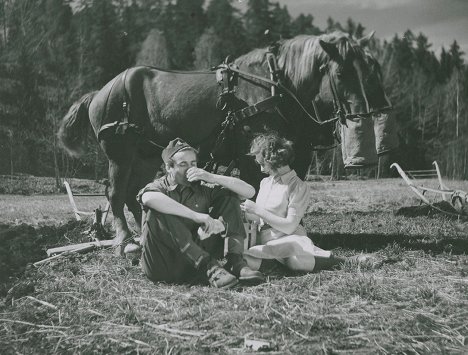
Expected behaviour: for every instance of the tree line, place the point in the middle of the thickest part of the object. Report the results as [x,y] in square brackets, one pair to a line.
[53,51]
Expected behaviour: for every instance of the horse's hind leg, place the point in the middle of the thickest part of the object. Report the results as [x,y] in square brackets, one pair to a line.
[118,176]
[121,153]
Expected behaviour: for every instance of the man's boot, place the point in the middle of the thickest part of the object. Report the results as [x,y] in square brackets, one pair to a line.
[238,266]
[219,277]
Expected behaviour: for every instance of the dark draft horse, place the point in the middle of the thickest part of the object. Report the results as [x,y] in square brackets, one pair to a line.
[330,73]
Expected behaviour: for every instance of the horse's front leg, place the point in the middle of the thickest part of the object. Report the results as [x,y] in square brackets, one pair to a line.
[143,172]
[250,172]
[302,159]
[119,175]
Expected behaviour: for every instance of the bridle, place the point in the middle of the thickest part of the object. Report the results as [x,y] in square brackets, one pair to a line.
[340,109]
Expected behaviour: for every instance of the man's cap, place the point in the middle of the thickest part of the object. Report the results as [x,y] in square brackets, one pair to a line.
[175,146]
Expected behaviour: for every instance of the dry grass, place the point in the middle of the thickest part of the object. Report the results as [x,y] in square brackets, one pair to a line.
[33,185]
[40,210]
[414,299]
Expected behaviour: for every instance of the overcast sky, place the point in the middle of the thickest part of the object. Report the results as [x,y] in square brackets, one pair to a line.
[442,21]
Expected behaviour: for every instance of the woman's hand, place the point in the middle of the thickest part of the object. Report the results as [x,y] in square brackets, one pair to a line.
[250,207]
[252,217]
[198,174]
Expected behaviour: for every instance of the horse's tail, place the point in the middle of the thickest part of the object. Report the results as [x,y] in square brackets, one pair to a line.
[74,126]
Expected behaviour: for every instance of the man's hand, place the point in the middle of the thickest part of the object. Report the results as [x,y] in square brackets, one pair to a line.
[250,207]
[198,174]
[205,220]
[209,226]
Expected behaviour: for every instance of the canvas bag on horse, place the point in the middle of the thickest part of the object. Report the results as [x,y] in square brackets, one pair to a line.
[358,143]
[385,129]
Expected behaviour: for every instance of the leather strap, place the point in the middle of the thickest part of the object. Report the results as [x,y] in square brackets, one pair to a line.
[254,109]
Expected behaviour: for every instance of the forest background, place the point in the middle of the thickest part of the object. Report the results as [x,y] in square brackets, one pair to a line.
[54,51]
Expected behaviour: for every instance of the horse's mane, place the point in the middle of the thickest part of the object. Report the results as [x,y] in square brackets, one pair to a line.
[300,58]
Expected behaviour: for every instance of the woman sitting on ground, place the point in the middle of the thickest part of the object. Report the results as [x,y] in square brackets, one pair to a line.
[280,205]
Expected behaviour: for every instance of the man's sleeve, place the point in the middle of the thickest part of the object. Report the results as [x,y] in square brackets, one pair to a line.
[155,186]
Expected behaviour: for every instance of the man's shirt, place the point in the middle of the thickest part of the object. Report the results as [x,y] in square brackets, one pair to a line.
[198,197]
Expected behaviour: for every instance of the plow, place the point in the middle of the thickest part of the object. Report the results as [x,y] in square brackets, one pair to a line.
[457,199]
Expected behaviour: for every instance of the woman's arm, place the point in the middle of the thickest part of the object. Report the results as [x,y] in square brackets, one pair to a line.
[286,224]
[241,188]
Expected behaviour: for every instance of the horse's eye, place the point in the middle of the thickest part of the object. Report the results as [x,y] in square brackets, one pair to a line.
[339,72]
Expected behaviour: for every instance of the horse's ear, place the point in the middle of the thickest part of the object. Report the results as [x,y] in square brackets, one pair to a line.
[330,49]
[364,41]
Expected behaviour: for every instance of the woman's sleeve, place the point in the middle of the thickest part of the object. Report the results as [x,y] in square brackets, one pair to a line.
[299,197]
[259,192]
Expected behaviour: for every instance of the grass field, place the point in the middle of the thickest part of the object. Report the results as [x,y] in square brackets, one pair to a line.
[413,299]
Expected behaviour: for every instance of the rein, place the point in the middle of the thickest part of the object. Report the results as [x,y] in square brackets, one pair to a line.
[281,86]
[201,72]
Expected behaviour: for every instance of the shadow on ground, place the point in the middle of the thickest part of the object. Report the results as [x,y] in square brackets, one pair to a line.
[372,242]
[23,244]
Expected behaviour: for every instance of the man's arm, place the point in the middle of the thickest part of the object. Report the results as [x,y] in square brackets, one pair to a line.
[164,204]
[241,188]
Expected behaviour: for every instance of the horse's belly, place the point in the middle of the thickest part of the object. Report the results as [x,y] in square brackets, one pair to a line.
[185,106]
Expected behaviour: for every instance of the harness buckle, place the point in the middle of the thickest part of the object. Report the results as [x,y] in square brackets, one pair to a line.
[250,110]
[342,117]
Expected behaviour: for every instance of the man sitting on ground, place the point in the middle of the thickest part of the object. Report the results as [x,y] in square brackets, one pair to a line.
[176,205]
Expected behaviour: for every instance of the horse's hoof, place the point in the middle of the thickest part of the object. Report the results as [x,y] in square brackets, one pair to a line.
[126,247]
[132,252]
[132,248]
[119,250]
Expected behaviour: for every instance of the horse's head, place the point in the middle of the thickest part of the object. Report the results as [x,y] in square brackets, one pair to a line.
[336,72]
[351,78]
[378,100]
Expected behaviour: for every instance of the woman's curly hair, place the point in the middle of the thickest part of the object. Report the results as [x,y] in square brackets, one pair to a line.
[275,150]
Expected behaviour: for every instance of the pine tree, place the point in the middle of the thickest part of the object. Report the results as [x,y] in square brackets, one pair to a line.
[350,26]
[281,26]
[184,23]
[208,51]
[456,55]
[333,26]
[154,51]
[303,24]
[446,65]
[359,31]
[106,42]
[224,20]
[257,21]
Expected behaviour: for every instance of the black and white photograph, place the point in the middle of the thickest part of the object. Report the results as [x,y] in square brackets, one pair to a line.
[233,176]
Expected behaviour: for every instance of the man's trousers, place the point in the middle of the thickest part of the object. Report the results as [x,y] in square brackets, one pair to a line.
[172,251]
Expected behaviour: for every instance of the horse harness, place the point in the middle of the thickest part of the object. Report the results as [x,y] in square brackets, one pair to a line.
[227,76]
